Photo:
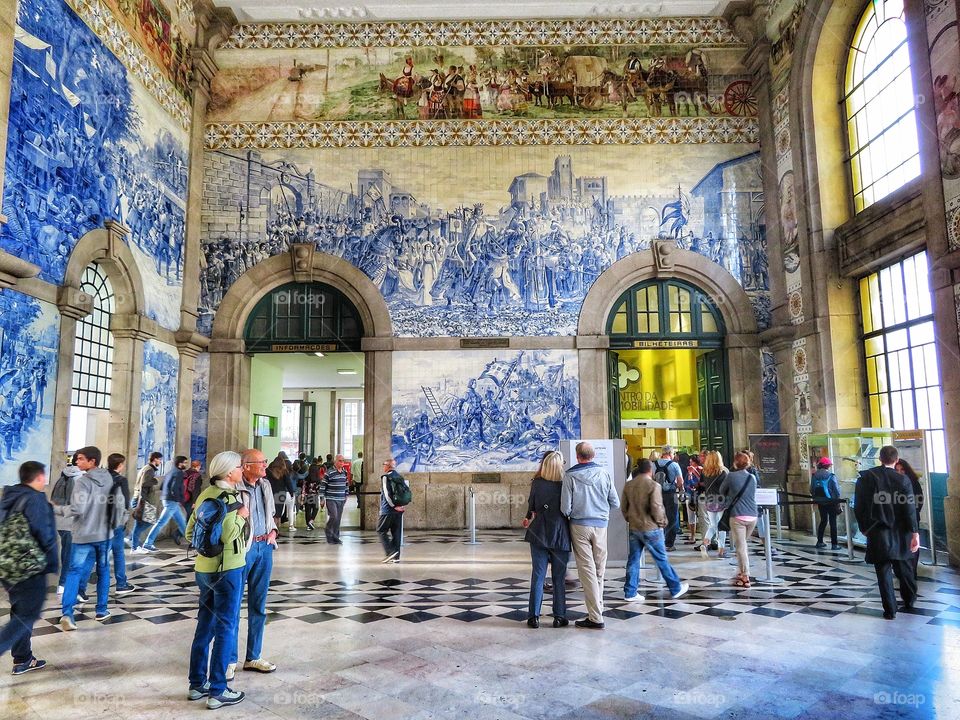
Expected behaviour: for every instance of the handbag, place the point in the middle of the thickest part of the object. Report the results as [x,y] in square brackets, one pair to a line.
[724,522]
[149,514]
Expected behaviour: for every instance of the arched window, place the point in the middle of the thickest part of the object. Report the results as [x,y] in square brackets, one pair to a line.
[93,347]
[298,316]
[879,103]
[665,310]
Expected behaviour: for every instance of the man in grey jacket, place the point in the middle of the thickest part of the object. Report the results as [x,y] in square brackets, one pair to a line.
[90,508]
[586,498]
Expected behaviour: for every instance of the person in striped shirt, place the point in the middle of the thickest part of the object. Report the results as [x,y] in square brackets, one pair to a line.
[333,494]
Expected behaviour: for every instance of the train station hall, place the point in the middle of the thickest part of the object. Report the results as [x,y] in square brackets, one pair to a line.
[503,360]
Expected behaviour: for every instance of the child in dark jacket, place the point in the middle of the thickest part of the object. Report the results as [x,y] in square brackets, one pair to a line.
[27,596]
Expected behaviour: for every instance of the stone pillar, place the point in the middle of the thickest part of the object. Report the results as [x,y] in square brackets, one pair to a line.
[744,369]
[377,420]
[592,363]
[190,345]
[130,332]
[73,305]
[229,413]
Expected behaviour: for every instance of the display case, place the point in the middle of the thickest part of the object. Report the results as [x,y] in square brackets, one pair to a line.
[850,451]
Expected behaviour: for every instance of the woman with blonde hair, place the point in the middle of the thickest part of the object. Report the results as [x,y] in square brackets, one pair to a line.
[220,579]
[712,477]
[549,536]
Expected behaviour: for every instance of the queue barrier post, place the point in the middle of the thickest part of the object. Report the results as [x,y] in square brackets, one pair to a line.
[770,579]
[848,527]
[472,516]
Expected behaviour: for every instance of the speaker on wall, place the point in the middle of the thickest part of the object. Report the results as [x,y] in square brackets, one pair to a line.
[723,411]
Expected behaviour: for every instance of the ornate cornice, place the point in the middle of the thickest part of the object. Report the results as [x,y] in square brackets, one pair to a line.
[454,133]
[699,31]
[13,268]
[191,343]
[73,302]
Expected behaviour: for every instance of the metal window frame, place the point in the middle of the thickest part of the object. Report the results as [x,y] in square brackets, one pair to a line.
[698,300]
[95,283]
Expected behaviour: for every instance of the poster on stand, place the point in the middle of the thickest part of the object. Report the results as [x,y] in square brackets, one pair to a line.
[771,454]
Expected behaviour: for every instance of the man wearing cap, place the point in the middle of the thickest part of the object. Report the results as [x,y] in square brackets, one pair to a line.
[825,491]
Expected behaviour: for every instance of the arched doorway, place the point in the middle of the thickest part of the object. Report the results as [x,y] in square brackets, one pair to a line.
[668,369]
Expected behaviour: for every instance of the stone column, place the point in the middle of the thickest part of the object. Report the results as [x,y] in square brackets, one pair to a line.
[229,413]
[377,420]
[190,345]
[592,367]
[73,305]
[130,332]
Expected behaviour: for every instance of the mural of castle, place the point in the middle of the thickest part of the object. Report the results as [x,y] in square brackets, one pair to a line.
[87,143]
[483,241]
[470,82]
[158,402]
[29,340]
[482,410]
[201,406]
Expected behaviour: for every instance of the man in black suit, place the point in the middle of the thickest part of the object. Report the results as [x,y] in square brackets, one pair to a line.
[885,507]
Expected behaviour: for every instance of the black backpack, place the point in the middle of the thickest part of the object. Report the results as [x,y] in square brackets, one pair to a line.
[399,491]
[115,506]
[662,477]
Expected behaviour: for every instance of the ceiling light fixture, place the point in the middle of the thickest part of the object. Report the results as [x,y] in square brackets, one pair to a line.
[318,354]
[346,372]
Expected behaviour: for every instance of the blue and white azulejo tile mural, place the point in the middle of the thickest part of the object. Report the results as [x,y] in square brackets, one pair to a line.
[462,411]
[158,402]
[29,342]
[201,405]
[87,143]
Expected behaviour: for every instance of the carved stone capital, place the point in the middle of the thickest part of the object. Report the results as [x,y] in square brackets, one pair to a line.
[73,302]
[133,326]
[203,69]
[213,23]
[664,252]
[778,337]
[13,268]
[301,260]
[191,343]
[227,345]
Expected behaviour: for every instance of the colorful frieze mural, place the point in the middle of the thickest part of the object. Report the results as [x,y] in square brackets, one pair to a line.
[164,29]
[482,410]
[158,402]
[86,143]
[472,82]
[201,407]
[483,241]
[29,342]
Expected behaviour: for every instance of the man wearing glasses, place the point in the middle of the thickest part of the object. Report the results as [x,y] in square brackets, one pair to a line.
[257,498]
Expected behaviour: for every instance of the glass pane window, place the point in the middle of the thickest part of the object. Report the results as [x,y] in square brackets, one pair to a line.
[93,346]
[899,346]
[879,101]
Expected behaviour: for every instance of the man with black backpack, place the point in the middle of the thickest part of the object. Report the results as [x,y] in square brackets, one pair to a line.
[668,475]
[26,504]
[395,495]
[115,466]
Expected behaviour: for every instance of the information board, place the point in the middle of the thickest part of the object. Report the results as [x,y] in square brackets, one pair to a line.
[771,455]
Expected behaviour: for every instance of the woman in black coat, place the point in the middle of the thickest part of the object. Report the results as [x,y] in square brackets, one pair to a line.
[549,536]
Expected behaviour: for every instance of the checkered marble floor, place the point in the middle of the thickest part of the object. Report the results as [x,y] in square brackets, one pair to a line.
[443,633]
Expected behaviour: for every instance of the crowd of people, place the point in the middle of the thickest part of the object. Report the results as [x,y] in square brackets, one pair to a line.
[235,517]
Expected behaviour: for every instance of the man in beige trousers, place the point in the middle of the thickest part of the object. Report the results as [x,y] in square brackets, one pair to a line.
[588,495]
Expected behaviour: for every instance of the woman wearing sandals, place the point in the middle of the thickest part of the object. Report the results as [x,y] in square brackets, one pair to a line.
[549,536]
[740,490]
[712,478]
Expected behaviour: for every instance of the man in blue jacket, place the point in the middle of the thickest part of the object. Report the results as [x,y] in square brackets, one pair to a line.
[587,497]
[171,493]
[27,596]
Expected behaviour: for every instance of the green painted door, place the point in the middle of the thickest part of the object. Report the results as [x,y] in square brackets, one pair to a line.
[712,390]
[613,394]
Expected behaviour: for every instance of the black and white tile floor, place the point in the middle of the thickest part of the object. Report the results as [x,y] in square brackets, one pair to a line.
[441,635]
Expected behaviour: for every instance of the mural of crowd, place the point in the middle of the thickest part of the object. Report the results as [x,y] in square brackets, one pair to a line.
[482,410]
[87,144]
[521,269]
[158,401]
[201,406]
[29,332]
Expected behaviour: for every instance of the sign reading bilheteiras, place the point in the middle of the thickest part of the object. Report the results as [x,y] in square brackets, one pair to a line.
[655,344]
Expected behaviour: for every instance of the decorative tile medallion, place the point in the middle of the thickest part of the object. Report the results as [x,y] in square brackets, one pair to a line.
[700,31]
[443,133]
[102,21]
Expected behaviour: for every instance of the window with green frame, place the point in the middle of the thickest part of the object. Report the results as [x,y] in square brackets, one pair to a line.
[665,309]
[900,354]
[304,313]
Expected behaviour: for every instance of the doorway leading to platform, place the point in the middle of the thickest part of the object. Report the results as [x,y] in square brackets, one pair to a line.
[667,370]
[307,391]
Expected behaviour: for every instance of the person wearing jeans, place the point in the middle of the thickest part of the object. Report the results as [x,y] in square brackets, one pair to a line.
[739,491]
[587,496]
[712,477]
[549,538]
[60,497]
[220,581]
[172,493]
[333,492]
[115,465]
[390,521]
[257,497]
[642,508]
[146,492]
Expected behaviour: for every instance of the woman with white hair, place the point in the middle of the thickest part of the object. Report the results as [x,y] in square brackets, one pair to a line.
[219,573]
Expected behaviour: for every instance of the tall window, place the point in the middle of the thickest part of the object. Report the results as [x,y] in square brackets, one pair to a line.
[351,423]
[93,347]
[903,378]
[880,105]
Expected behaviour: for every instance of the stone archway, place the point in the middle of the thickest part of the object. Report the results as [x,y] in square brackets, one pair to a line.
[666,261]
[107,247]
[229,411]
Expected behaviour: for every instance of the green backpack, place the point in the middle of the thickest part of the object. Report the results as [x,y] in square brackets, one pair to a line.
[21,557]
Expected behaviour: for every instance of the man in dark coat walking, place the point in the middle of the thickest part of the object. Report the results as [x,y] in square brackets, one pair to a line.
[885,507]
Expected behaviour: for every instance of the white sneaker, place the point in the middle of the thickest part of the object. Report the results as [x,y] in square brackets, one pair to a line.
[139,551]
[231,671]
[67,623]
[229,697]
[127,543]
[684,588]
[259,665]
[634,598]
[59,589]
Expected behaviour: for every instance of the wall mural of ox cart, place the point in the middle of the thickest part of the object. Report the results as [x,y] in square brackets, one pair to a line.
[471,82]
